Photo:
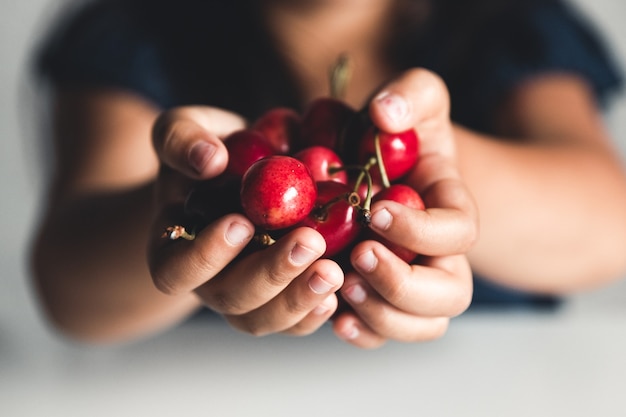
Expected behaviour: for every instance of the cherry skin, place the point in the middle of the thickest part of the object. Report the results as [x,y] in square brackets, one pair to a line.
[333,216]
[324,122]
[277,192]
[281,127]
[324,164]
[409,197]
[399,152]
[244,148]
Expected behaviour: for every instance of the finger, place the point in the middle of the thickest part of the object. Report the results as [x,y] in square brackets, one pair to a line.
[349,328]
[181,266]
[301,308]
[442,286]
[375,317]
[188,139]
[417,95]
[254,280]
[447,227]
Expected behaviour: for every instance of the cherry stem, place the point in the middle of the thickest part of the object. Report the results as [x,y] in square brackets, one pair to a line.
[321,213]
[340,76]
[381,165]
[178,232]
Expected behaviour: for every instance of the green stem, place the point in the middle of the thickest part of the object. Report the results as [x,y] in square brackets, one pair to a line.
[381,165]
[340,76]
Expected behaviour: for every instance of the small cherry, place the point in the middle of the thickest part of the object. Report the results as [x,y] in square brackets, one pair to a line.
[244,148]
[398,153]
[324,164]
[281,127]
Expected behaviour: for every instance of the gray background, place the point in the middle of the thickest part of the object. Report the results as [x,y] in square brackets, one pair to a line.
[570,363]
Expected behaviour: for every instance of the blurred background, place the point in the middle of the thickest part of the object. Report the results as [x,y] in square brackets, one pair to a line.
[567,363]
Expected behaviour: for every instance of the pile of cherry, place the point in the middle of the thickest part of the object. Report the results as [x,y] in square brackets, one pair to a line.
[321,169]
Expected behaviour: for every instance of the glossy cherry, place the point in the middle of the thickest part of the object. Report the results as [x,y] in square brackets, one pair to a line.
[277,192]
[334,216]
[399,152]
[324,164]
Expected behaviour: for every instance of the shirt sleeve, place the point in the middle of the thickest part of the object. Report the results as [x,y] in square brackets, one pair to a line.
[550,37]
[103,46]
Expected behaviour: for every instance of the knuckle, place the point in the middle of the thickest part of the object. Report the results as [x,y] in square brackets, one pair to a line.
[224,303]
[296,306]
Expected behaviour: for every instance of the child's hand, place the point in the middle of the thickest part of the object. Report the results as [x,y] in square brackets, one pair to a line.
[391,299]
[284,288]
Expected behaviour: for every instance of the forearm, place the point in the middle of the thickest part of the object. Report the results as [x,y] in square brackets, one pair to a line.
[553,217]
[90,268]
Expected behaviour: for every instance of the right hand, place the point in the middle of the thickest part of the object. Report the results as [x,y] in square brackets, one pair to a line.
[283,288]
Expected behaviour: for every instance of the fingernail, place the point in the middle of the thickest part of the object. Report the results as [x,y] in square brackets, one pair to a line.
[366,262]
[394,105]
[200,154]
[237,233]
[381,219]
[351,333]
[318,285]
[300,255]
[355,293]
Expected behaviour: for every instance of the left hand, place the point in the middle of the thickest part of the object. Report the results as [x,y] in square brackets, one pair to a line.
[390,299]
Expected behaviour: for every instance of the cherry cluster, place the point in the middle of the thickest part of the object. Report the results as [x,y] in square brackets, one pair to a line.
[322,169]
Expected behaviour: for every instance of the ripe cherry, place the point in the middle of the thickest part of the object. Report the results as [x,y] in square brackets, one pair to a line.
[324,122]
[399,153]
[244,148]
[324,164]
[334,216]
[281,127]
[277,192]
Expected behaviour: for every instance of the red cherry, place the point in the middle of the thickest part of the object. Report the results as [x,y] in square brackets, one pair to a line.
[323,123]
[277,192]
[281,127]
[324,164]
[409,197]
[399,152]
[244,148]
[333,216]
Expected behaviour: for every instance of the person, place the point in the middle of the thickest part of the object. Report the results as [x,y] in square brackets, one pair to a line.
[525,194]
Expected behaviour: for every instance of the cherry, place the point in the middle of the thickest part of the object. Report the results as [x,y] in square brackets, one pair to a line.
[281,127]
[324,123]
[277,192]
[324,164]
[409,197]
[244,148]
[334,216]
[398,153]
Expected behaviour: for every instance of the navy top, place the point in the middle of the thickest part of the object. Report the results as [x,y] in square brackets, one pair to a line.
[202,52]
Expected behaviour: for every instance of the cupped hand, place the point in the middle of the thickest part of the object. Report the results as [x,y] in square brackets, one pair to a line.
[390,299]
[283,288]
